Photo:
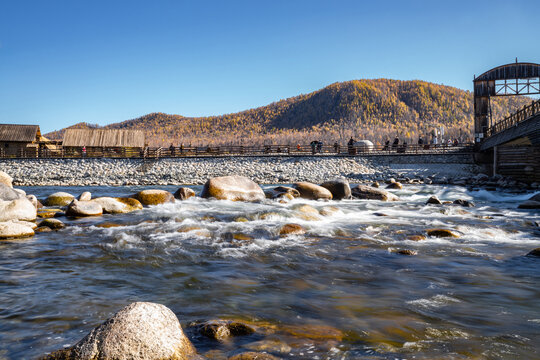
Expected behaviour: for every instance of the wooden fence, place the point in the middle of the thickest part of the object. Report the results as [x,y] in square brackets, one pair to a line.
[525,113]
[261,150]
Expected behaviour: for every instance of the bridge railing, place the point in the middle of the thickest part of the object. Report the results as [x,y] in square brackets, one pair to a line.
[521,115]
[252,150]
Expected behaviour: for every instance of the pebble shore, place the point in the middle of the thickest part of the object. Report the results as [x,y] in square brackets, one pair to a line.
[263,170]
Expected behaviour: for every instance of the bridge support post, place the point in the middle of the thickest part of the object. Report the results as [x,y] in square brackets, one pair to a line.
[495,160]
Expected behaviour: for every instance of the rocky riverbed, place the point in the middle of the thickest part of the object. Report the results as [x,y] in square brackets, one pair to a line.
[263,170]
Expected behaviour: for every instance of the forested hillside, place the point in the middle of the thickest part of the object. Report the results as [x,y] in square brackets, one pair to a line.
[365,109]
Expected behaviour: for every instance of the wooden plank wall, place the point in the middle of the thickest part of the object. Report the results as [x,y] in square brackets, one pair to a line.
[519,162]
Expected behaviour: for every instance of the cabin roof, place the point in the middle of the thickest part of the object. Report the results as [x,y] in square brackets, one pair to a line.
[103,138]
[19,133]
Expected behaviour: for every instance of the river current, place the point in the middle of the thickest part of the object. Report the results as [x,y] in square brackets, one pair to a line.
[342,290]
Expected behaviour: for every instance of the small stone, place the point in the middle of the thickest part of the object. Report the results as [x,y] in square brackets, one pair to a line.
[375,185]
[416,237]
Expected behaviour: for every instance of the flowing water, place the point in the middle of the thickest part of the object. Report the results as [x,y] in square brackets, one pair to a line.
[339,291]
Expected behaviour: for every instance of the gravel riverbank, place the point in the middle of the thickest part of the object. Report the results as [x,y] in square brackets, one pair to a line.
[264,170]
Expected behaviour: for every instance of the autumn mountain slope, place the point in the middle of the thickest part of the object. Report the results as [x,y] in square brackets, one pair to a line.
[365,109]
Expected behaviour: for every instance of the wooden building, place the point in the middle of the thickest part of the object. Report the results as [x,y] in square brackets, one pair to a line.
[103,142]
[19,140]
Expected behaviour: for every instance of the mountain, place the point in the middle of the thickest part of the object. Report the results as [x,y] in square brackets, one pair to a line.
[365,109]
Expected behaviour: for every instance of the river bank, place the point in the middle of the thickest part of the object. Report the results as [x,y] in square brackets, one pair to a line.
[263,170]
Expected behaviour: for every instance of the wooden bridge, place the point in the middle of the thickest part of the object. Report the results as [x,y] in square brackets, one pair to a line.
[510,146]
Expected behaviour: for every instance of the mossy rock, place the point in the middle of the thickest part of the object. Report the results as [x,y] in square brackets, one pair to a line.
[252,355]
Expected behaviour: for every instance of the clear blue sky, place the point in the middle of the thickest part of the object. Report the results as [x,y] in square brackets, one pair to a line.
[63,62]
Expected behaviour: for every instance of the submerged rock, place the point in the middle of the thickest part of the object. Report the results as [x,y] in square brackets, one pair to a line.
[339,188]
[234,188]
[441,233]
[223,329]
[534,252]
[83,208]
[154,197]
[140,331]
[112,205]
[184,193]
[251,355]
[416,237]
[312,192]
[371,193]
[407,252]
[12,229]
[464,203]
[291,229]
[18,209]
[529,204]
[59,199]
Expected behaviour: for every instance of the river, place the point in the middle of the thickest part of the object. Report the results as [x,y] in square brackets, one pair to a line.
[342,290]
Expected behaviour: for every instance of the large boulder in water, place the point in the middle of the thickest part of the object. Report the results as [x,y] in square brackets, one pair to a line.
[83,208]
[18,209]
[59,199]
[339,188]
[5,179]
[154,197]
[234,188]
[15,229]
[7,193]
[140,331]
[312,192]
[371,193]
[112,205]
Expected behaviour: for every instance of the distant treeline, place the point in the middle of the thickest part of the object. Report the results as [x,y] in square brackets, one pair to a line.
[377,110]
